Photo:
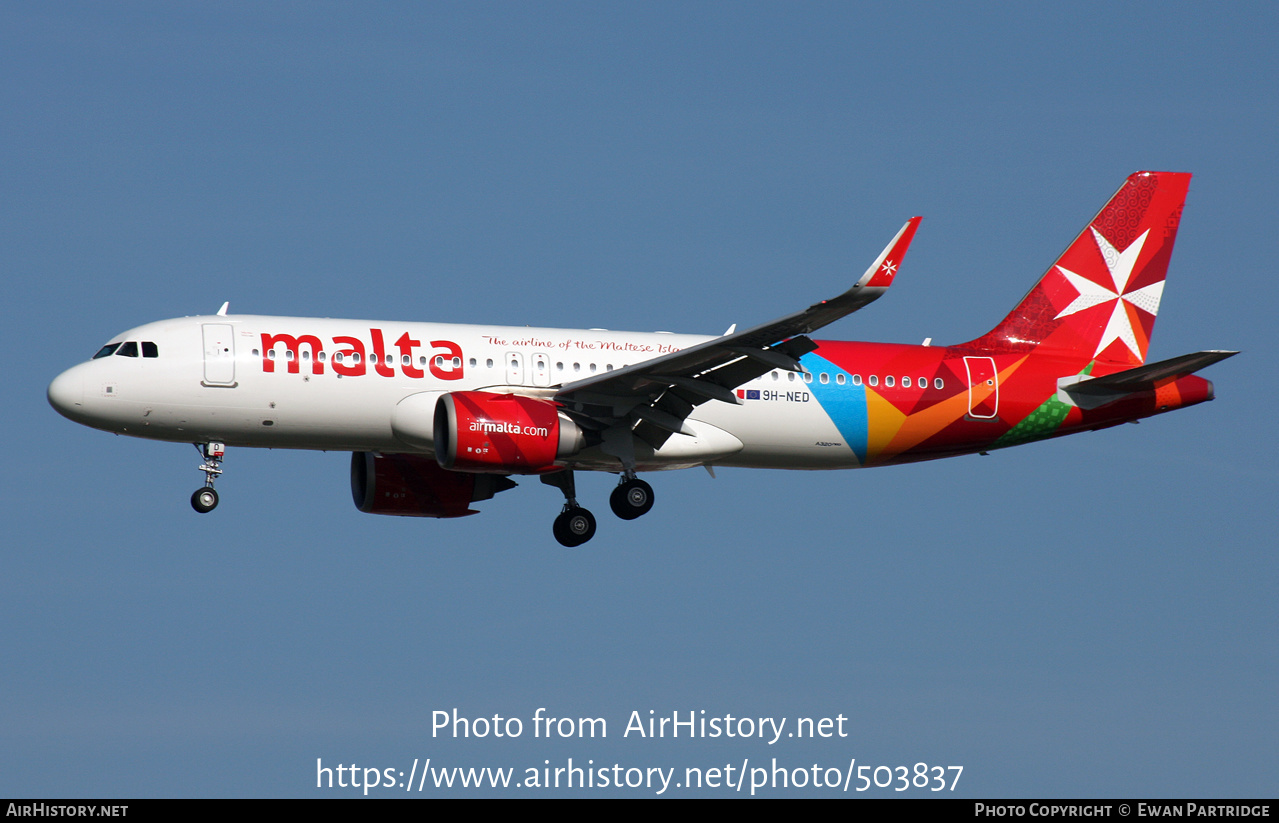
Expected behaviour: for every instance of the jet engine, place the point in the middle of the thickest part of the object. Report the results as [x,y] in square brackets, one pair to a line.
[483,432]
[415,486]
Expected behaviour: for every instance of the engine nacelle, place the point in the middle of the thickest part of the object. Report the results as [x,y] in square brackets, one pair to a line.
[414,486]
[478,431]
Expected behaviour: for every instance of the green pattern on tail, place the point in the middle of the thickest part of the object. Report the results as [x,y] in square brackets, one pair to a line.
[1042,422]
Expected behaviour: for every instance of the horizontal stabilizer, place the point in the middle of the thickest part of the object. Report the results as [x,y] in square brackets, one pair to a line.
[1143,378]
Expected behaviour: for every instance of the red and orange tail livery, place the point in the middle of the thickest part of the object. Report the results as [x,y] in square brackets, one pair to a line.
[1100,299]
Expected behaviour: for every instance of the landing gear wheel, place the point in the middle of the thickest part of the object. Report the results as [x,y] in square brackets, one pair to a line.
[204,500]
[631,499]
[574,527]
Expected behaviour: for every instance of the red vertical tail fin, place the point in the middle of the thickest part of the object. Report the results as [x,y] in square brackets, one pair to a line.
[1100,299]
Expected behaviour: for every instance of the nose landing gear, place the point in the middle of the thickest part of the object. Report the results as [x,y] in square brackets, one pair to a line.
[205,499]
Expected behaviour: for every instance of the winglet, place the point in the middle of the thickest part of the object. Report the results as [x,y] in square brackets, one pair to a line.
[881,272]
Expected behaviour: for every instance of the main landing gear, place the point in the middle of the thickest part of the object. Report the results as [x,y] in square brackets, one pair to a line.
[632,498]
[205,499]
[576,525]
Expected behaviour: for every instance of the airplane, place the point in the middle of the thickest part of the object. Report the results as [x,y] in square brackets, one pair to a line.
[440,416]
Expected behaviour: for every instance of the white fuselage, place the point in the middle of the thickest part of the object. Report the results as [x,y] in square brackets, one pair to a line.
[354,385]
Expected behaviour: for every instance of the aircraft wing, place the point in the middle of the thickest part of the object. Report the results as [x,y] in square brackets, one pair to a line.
[660,393]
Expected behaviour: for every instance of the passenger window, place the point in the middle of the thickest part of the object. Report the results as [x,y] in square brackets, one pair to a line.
[839,378]
[888,381]
[873,380]
[825,378]
[150,349]
[129,349]
[776,376]
[488,364]
[107,350]
[905,382]
[937,383]
[857,379]
[808,377]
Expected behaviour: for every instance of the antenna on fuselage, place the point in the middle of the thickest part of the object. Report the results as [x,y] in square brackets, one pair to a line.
[225,306]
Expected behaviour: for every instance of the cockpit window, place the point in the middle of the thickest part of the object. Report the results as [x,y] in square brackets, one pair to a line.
[129,349]
[150,349]
[107,350]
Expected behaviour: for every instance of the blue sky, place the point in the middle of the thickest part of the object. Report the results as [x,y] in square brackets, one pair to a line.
[1093,616]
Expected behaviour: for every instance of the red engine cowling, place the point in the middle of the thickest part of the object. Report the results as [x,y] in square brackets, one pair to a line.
[414,486]
[478,431]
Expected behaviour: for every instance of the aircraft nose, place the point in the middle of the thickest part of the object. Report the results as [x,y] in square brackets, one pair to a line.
[66,393]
